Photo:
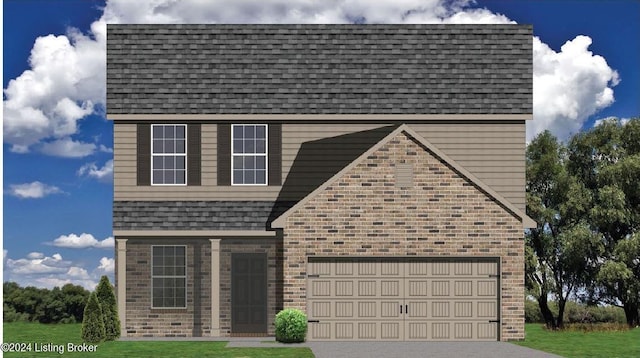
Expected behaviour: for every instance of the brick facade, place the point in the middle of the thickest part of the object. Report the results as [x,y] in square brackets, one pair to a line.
[144,321]
[364,213]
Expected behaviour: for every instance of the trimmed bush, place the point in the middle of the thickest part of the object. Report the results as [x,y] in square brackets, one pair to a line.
[107,300]
[291,326]
[92,322]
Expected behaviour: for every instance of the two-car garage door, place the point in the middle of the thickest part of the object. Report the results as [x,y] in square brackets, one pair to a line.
[402,299]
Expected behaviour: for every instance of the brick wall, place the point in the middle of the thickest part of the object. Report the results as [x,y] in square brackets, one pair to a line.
[443,214]
[142,320]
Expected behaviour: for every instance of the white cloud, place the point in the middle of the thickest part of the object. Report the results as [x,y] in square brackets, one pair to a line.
[568,86]
[104,174]
[73,241]
[35,255]
[107,265]
[105,149]
[38,264]
[67,147]
[64,84]
[50,271]
[78,273]
[621,121]
[66,80]
[34,190]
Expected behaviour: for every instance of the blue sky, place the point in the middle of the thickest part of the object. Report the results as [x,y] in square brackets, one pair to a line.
[57,187]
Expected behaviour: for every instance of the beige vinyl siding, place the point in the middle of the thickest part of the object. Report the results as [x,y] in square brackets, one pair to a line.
[494,152]
[125,187]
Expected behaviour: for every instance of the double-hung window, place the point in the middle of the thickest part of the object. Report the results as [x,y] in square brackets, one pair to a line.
[249,154]
[168,154]
[169,276]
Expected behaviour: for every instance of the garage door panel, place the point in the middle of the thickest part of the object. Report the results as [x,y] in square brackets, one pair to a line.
[440,309]
[320,288]
[390,309]
[417,288]
[417,331]
[343,268]
[462,330]
[488,309]
[487,288]
[319,268]
[391,330]
[463,309]
[344,330]
[389,288]
[487,331]
[344,309]
[320,331]
[463,288]
[416,309]
[417,268]
[463,268]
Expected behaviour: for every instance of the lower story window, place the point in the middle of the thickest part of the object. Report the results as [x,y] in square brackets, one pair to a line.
[169,276]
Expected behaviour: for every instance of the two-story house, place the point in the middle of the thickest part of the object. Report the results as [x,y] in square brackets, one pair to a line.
[371,175]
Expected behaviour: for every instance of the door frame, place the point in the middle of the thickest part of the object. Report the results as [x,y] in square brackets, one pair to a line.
[260,328]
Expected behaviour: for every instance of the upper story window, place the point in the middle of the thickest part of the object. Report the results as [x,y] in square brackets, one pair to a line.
[249,154]
[168,154]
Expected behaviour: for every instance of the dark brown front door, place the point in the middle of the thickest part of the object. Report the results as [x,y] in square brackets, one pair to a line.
[249,293]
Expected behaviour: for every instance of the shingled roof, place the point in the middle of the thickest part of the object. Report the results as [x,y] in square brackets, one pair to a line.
[319,69]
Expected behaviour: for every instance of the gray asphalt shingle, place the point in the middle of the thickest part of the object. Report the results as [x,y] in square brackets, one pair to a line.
[196,215]
[319,69]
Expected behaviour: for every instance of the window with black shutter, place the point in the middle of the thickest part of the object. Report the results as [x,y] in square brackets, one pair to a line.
[249,154]
[168,154]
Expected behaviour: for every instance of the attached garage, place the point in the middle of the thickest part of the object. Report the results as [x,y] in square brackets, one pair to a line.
[403,299]
[403,244]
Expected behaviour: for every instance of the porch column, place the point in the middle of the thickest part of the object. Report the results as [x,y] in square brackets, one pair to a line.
[122,284]
[215,287]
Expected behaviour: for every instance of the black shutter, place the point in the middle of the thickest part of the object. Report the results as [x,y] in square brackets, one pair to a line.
[143,148]
[194,162]
[275,154]
[224,154]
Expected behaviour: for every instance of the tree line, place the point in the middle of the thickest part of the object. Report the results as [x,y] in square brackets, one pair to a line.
[58,305]
[585,197]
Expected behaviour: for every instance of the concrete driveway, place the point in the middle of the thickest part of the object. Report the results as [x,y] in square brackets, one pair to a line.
[423,349]
[400,349]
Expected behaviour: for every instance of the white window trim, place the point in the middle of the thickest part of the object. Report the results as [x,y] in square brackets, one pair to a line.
[186,283]
[266,153]
[186,171]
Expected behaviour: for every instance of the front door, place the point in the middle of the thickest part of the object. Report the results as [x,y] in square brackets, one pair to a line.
[249,293]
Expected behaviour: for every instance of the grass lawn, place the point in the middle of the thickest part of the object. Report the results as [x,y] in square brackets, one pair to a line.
[36,333]
[579,344]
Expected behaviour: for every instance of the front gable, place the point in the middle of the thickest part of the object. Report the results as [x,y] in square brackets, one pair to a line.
[440,188]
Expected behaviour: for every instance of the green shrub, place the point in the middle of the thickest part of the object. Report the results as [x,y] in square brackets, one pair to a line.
[10,314]
[291,326]
[532,312]
[107,300]
[596,327]
[92,322]
[575,313]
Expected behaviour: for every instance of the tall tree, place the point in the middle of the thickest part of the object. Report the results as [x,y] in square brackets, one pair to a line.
[561,249]
[606,159]
[107,299]
[92,323]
